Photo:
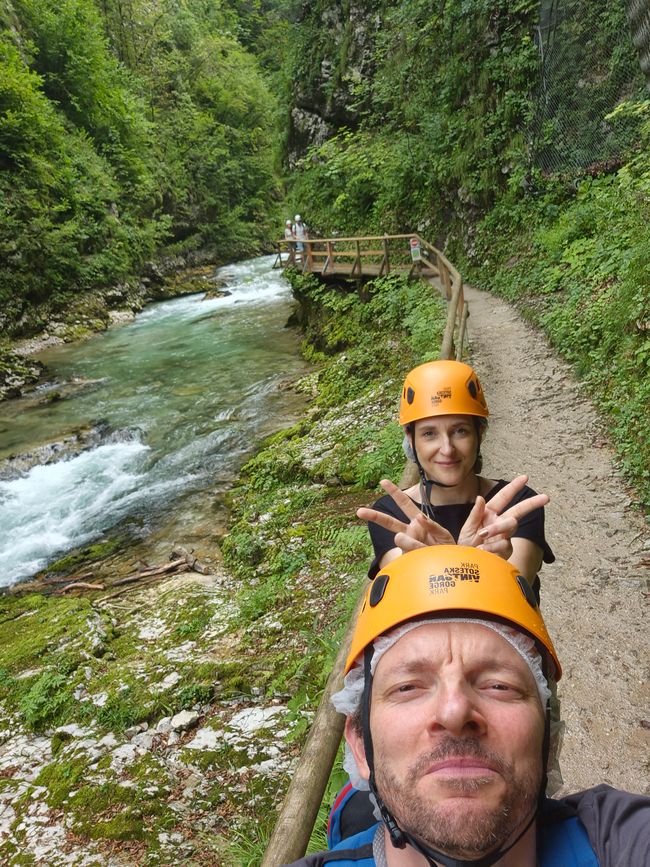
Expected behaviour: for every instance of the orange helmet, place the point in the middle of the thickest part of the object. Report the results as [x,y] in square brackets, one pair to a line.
[449,579]
[441,388]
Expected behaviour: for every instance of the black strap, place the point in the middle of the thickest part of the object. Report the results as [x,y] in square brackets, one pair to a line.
[359,854]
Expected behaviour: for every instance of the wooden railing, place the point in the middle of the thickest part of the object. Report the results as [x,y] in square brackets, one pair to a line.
[377,255]
[295,823]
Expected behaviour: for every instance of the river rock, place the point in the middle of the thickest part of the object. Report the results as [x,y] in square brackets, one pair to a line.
[206,739]
[79,441]
[216,293]
[184,721]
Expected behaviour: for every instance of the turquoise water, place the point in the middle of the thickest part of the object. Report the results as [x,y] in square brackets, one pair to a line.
[187,389]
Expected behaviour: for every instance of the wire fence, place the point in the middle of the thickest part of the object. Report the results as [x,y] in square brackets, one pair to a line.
[638,14]
[588,65]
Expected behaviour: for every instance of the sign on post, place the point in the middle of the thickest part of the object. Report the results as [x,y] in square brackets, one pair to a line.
[416,253]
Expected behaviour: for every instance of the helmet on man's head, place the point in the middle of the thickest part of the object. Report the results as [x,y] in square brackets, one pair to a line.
[441,388]
[442,584]
[298,218]
[450,581]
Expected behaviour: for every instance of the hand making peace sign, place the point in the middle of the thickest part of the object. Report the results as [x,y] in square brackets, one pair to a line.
[490,525]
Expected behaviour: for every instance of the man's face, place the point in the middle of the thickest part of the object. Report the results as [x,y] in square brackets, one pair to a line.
[457,728]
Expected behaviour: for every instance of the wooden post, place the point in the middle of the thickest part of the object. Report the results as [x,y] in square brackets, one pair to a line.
[461,334]
[300,806]
[310,266]
[447,348]
[446,281]
[357,261]
[386,256]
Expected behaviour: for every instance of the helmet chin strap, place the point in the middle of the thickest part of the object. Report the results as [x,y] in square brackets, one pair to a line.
[400,838]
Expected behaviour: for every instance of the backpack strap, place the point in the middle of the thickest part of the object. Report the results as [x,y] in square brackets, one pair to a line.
[355,857]
[351,813]
[355,851]
[334,835]
[563,840]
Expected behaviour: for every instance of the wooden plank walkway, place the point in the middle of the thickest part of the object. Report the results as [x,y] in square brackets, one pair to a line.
[360,258]
[364,257]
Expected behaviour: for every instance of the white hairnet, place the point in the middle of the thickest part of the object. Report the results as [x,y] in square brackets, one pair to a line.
[348,700]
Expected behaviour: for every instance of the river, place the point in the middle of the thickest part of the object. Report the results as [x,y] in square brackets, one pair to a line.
[183,393]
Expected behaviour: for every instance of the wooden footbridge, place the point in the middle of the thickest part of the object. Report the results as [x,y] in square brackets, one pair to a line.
[364,258]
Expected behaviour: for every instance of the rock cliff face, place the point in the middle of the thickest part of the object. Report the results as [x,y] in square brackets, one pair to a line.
[333,65]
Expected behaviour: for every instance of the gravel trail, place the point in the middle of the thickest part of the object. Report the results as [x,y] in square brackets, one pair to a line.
[595,596]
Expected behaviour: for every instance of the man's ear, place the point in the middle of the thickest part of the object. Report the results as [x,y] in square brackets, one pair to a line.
[354,739]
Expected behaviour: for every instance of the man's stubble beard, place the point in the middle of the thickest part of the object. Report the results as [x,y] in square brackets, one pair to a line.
[462,833]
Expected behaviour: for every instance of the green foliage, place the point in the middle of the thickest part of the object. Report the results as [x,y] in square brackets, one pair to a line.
[433,138]
[583,275]
[46,703]
[122,127]
[441,134]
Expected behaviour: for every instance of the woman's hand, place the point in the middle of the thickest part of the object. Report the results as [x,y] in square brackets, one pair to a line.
[489,526]
[418,532]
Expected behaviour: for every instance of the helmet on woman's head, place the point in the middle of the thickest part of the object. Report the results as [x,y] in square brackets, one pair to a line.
[441,388]
[450,581]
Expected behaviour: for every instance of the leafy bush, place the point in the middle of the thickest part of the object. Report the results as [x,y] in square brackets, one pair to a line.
[104,160]
[46,702]
[582,273]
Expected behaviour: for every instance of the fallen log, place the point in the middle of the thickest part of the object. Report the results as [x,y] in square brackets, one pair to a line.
[79,585]
[62,579]
[175,566]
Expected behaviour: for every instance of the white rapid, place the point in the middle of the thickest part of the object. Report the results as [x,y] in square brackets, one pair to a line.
[183,394]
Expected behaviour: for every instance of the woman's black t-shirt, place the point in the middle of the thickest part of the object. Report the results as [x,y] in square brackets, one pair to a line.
[452,517]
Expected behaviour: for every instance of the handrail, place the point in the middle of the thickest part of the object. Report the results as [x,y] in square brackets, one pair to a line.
[435,266]
[295,823]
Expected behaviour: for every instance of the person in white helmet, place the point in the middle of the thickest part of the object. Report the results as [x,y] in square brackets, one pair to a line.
[300,233]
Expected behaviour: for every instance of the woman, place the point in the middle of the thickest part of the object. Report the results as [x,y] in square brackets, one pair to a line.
[444,416]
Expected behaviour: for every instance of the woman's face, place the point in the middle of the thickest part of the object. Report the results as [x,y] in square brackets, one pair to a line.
[447,446]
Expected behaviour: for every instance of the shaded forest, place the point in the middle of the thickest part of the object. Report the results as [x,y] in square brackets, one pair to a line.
[125,127]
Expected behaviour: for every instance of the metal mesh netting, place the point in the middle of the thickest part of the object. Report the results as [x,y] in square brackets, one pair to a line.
[588,65]
[638,13]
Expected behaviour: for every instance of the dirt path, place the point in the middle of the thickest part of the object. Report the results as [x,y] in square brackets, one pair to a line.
[595,594]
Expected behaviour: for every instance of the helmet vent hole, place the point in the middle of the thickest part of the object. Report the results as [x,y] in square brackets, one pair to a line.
[378,589]
[527,590]
[410,395]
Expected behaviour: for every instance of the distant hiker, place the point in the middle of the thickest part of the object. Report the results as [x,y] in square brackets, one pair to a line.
[300,233]
[290,236]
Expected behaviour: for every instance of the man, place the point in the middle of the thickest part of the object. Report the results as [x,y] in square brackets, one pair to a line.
[447,703]
[301,233]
